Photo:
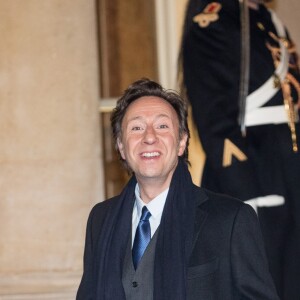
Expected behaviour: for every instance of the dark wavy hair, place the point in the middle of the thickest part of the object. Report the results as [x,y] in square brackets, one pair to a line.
[146,87]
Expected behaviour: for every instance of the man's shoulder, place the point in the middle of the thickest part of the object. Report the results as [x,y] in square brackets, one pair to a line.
[222,198]
[104,206]
[225,212]
[99,213]
[222,203]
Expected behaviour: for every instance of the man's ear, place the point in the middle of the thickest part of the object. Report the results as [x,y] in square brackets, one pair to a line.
[182,144]
[121,148]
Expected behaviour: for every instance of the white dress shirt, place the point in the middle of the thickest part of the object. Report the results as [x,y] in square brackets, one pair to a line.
[155,207]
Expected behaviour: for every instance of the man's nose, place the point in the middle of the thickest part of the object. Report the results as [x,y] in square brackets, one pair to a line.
[150,136]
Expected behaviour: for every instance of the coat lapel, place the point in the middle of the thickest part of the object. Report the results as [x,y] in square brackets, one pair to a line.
[200,214]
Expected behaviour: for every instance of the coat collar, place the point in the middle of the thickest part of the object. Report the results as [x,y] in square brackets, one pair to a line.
[200,214]
[200,195]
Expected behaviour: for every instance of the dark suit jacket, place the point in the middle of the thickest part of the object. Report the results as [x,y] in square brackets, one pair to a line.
[228,259]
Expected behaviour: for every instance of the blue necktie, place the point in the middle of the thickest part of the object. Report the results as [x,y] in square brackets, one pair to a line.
[142,237]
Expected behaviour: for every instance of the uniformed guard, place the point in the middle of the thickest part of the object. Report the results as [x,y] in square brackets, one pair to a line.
[242,79]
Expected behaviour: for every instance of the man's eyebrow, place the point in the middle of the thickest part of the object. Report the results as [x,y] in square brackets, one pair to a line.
[134,118]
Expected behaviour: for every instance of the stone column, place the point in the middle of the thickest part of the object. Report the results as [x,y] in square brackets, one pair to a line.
[50,154]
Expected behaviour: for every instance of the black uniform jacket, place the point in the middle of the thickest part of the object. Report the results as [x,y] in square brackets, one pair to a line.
[211,67]
[227,261]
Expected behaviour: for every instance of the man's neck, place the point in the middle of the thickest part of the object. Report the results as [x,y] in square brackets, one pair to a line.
[151,189]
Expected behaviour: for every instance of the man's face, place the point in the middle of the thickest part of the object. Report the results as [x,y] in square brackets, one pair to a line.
[150,139]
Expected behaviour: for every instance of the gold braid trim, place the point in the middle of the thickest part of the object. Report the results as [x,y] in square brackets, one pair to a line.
[286,85]
[290,109]
[293,81]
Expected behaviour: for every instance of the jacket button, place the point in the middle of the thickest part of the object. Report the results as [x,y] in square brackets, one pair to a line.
[134,284]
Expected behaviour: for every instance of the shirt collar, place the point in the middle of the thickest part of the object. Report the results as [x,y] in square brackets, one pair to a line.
[155,206]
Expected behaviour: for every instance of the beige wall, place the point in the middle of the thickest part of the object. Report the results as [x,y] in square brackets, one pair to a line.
[50,170]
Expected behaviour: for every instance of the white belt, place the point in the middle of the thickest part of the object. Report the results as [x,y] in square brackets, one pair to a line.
[267,115]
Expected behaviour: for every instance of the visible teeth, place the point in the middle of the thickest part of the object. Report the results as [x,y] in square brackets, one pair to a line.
[150,154]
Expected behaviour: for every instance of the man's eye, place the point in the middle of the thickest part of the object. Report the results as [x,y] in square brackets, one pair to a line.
[162,126]
[136,128]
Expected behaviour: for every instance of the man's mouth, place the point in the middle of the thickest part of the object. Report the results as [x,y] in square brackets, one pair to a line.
[150,154]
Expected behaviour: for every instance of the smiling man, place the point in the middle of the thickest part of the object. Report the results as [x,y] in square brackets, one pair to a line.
[163,237]
[151,144]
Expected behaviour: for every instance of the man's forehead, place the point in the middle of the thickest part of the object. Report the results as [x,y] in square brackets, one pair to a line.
[147,101]
[150,106]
